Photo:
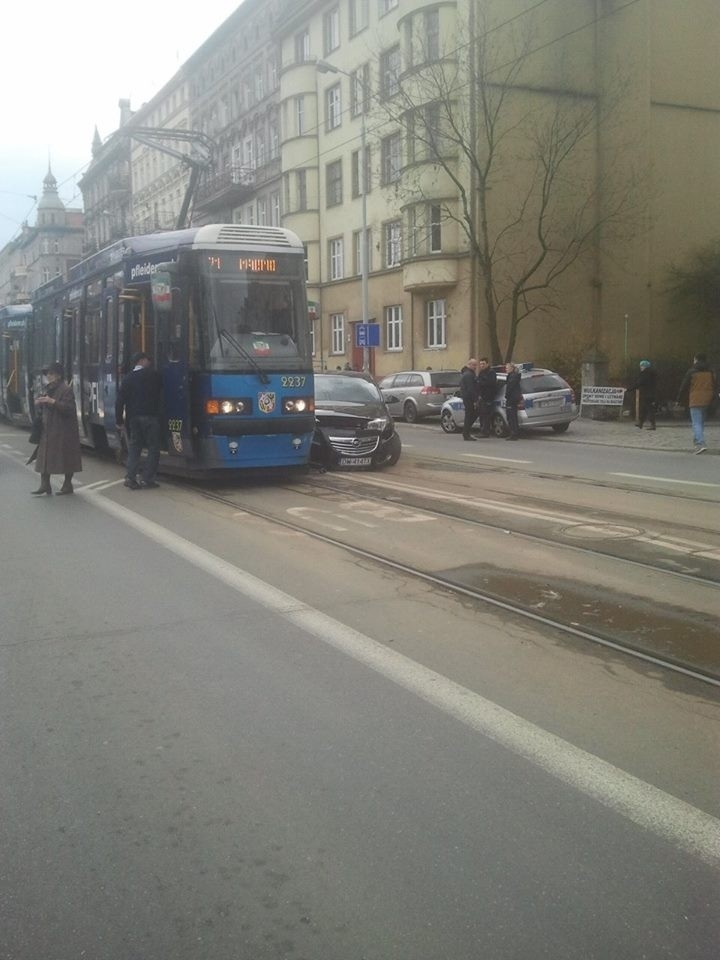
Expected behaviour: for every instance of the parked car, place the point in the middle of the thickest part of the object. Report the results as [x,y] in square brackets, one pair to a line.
[354,427]
[414,394]
[548,401]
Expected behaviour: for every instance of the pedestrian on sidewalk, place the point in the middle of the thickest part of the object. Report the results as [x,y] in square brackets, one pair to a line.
[139,409]
[513,396]
[487,389]
[698,392]
[469,394]
[59,447]
[645,387]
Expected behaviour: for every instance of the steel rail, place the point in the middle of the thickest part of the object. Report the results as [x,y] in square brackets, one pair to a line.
[519,610]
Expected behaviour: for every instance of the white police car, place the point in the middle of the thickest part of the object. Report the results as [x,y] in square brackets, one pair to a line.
[548,401]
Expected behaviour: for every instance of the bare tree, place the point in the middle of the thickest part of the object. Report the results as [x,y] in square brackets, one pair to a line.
[527,175]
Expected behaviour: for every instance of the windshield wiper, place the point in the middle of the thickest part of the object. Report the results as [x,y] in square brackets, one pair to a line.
[222,332]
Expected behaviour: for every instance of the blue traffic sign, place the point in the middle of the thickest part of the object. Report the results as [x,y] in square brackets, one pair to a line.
[367,334]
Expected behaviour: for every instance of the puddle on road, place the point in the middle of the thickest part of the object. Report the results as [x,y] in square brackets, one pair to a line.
[682,636]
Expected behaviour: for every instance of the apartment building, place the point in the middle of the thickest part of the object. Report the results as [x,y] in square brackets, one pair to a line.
[44,250]
[234,97]
[526,173]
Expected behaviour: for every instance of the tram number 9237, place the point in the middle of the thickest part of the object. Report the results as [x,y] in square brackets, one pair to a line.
[292,381]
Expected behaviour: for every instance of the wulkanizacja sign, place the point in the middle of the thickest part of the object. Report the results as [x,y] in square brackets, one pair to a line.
[602,396]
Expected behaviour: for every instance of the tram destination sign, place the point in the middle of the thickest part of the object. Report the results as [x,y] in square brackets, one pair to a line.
[259,265]
[602,396]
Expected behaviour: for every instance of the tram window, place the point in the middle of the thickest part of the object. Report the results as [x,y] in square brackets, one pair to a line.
[92,336]
[109,325]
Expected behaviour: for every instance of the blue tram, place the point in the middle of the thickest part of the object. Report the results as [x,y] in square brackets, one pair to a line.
[222,311]
[15,399]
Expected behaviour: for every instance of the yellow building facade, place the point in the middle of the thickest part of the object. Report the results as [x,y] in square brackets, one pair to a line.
[531,172]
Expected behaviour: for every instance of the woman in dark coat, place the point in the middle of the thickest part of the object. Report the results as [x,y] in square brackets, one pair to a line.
[59,447]
[513,396]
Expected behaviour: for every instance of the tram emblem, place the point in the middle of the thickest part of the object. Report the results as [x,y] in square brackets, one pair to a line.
[177,442]
[266,402]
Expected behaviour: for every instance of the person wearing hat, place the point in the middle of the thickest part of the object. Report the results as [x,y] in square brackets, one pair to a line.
[645,386]
[59,448]
[139,409]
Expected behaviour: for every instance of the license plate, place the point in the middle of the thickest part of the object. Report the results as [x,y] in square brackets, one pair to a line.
[549,403]
[355,461]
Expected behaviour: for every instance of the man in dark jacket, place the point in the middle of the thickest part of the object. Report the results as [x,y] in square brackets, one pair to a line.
[513,396]
[139,407]
[698,391]
[487,389]
[645,386]
[468,392]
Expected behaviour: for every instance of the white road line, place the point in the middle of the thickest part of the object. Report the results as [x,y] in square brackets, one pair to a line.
[653,809]
[480,456]
[690,483]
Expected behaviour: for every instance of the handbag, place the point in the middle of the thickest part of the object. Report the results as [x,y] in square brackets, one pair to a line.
[37,429]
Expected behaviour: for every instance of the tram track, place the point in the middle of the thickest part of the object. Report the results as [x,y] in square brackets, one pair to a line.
[601,638]
[501,523]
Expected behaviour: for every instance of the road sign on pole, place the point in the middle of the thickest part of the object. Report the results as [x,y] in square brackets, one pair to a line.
[367,334]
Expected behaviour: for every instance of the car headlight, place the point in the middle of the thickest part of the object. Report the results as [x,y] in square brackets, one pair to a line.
[378,424]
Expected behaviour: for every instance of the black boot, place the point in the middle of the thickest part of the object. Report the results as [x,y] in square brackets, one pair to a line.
[44,487]
[67,486]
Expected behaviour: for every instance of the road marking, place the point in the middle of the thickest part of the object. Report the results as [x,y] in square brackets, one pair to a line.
[480,456]
[571,522]
[656,811]
[690,483]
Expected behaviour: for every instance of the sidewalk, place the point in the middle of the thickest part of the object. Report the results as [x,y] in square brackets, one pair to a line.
[674,435]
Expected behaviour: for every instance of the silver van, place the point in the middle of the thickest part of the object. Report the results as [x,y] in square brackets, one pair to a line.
[414,394]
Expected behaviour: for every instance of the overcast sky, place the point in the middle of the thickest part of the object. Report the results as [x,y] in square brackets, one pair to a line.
[65,65]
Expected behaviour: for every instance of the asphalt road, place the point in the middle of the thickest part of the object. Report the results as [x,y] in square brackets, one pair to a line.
[661,470]
[222,741]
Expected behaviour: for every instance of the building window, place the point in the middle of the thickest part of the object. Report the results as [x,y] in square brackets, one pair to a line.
[333,184]
[262,212]
[274,140]
[335,256]
[300,115]
[435,311]
[331,30]
[393,243]
[393,328]
[359,15]
[391,158]
[302,46]
[301,189]
[387,5]
[250,214]
[275,208]
[390,71]
[333,108]
[435,227]
[360,178]
[337,330]
[357,253]
[360,90]
[432,34]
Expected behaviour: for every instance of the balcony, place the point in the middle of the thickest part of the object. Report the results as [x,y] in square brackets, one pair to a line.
[228,188]
[427,272]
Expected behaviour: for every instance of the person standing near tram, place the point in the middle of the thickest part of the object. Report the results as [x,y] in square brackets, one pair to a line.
[58,450]
[139,409]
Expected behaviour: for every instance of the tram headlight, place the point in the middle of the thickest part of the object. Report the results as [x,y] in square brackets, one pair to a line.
[298,405]
[226,408]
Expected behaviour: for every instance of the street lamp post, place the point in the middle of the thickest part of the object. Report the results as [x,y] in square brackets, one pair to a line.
[324,67]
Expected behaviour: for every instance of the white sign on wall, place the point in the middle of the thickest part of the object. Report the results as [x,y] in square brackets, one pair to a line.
[602,396]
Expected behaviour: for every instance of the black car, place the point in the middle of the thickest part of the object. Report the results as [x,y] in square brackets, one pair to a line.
[354,428]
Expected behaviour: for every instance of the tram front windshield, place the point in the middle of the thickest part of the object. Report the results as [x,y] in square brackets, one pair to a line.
[253,317]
